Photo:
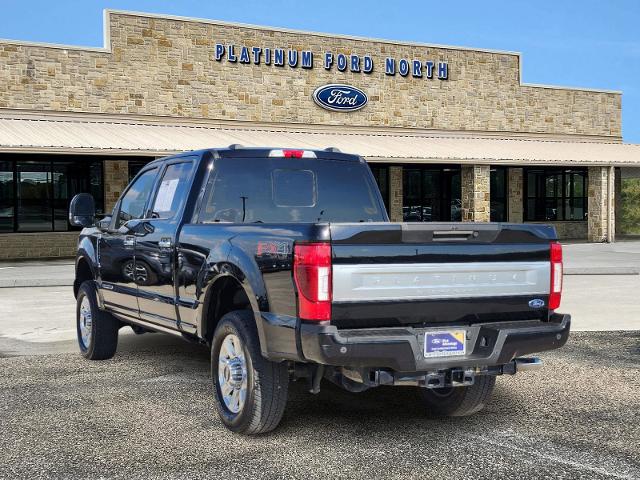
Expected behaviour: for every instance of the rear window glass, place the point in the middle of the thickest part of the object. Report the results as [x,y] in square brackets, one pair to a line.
[272,190]
[294,188]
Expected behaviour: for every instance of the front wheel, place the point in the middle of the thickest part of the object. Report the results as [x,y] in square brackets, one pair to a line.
[250,391]
[97,330]
[459,401]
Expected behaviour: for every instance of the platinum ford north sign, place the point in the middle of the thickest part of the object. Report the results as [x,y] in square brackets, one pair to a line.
[305,59]
[340,98]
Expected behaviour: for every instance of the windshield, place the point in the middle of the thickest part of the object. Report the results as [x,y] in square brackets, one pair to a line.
[279,190]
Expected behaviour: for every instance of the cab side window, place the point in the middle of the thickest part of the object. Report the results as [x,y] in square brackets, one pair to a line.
[172,191]
[133,202]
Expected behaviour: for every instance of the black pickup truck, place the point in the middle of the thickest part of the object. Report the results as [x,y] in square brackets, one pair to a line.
[285,263]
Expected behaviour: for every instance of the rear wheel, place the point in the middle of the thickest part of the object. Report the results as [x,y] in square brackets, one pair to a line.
[459,401]
[250,391]
[97,330]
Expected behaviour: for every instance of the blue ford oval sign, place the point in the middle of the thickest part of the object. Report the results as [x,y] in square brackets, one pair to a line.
[340,98]
[536,303]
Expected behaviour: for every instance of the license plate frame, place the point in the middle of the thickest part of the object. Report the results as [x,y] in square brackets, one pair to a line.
[445,343]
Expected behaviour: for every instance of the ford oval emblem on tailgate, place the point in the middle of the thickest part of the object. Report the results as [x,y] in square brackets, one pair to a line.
[340,98]
[536,303]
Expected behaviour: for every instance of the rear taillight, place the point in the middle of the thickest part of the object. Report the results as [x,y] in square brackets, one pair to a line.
[556,276]
[312,276]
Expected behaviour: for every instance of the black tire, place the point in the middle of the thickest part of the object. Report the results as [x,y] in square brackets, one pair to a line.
[103,339]
[459,401]
[267,383]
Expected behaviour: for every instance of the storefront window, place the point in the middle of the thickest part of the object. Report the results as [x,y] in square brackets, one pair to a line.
[431,194]
[555,194]
[34,208]
[135,166]
[381,175]
[6,196]
[35,190]
[498,190]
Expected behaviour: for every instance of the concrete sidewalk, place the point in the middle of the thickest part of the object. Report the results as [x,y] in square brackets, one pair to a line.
[37,273]
[620,258]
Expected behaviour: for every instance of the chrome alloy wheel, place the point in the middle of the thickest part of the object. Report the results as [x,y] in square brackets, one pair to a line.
[232,373]
[85,322]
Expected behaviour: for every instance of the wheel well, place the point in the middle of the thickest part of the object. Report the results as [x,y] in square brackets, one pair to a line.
[226,296]
[83,273]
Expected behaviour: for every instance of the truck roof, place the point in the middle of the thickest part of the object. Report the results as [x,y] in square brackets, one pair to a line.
[238,151]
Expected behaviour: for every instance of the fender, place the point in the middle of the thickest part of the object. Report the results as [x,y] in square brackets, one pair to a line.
[244,270]
[87,253]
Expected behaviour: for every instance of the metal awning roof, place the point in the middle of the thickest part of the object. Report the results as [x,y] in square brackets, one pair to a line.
[66,135]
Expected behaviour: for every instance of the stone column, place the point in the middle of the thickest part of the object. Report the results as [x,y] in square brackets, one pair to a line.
[515,212]
[618,201]
[395,193]
[598,221]
[475,193]
[116,178]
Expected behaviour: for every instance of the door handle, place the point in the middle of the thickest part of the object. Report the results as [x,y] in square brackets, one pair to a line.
[165,243]
[129,241]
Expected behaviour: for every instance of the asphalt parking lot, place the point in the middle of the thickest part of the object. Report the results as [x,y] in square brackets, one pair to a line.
[148,413]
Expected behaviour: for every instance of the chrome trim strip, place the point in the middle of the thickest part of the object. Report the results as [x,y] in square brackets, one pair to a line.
[364,282]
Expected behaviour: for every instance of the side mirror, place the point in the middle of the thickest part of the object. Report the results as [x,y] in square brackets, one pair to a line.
[82,210]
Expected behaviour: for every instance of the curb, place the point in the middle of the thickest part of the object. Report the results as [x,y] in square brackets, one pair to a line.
[35,283]
[602,271]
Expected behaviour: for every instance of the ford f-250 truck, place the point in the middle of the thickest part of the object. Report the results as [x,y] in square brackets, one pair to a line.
[285,263]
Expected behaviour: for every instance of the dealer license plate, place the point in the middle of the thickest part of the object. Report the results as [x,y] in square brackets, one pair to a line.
[445,343]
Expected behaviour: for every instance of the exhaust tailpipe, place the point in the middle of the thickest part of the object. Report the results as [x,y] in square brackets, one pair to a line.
[524,364]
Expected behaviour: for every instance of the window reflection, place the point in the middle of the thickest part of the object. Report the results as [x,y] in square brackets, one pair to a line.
[431,194]
[35,190]
[498,189]
[555,194]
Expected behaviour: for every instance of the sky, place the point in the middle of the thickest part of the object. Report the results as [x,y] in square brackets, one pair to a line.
[583,43]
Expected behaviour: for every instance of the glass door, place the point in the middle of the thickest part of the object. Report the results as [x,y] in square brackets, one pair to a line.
[34,212]
[431,194]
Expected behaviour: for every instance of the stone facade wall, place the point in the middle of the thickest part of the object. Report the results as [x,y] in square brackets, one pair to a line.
[17,246]
[116,178]
[516,193]
[167,67]
[598,222]
[475,183]
[574,230]
[395,193]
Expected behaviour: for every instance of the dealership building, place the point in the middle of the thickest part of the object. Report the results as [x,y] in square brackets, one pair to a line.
[450,133]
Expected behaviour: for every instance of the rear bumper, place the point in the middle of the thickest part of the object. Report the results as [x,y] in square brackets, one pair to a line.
[401,349]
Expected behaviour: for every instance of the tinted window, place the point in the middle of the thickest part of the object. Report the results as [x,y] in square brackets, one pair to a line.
[381,175]
[172,191]
[498,189]
[555,194]
[431,194]
[276,190]
[294,188]
[6,197]
[34,210]
[133,202]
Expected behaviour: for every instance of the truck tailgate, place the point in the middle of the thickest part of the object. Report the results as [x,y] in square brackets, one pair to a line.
[391,274]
